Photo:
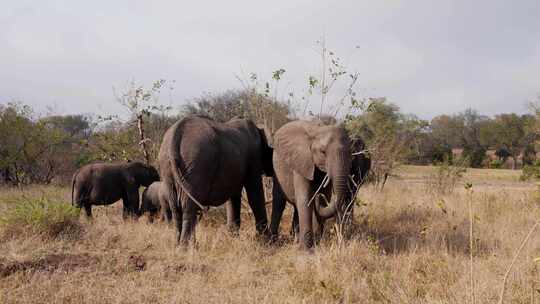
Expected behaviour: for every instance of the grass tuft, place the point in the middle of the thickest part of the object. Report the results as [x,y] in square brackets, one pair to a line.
[49,219]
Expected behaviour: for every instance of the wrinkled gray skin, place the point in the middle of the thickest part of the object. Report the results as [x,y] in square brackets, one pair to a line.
[360,166]
[154,201]
[104,184]
[304,152]
[211,162]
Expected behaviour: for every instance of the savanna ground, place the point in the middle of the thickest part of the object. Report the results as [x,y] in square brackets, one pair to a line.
[411,245]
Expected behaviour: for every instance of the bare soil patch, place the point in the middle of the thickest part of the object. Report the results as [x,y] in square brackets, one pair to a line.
[48,263]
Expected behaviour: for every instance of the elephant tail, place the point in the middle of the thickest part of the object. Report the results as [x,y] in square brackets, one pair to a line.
[73,179]
[176,162]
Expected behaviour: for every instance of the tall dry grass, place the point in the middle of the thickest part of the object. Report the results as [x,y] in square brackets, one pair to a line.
[409,246]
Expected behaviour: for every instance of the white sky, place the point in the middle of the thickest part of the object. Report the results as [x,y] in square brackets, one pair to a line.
[429,57]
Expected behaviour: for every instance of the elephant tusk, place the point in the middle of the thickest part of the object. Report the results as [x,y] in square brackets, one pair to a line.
[357,190]
[326,179]
[360,152]
[352,180]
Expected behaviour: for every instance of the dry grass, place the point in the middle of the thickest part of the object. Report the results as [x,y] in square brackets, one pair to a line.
[410,247]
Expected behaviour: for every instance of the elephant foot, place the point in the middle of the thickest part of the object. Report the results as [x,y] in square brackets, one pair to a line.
[262,238]
[88,210]
[182,247]
[130,219]
[274,238]
[186,245]
[308,241]
[234,230]
[317,237]
[263,230]
[309,251]
[278,241]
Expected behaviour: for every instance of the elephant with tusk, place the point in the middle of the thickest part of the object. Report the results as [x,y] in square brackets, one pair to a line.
[305,152]
[360,166]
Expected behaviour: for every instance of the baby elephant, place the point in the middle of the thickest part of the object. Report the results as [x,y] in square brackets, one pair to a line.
[154,201]
[104,184]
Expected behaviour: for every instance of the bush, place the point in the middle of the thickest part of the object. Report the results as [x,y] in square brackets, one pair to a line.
[530,172]
[475,155]
[45,218]
[496,164]
[445,179]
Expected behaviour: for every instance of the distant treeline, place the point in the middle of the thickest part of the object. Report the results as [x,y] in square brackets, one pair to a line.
[49,149]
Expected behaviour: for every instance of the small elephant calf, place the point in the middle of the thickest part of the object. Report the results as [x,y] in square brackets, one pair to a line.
[154,201]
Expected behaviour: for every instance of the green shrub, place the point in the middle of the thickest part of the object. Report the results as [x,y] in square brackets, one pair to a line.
[530,172]
[475,156]
[446,176]
[496,164]
[48,219]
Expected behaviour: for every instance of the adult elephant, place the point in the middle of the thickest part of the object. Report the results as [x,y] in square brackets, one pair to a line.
[104,184]
[360,166]
[154,201]
[204,163]
[304,153]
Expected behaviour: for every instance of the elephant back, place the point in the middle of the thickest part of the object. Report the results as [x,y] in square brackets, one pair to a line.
[192,150]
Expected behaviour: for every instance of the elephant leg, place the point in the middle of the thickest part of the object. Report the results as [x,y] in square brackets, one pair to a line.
[151,218]
[168,215]
[189,220]
[88,209]
[294,225]
[305,236]
[131,204]
[303,193]
[256,200]
[165,209]
[82,200]
[278,206]
[162,216]
[176,213]
[318,228]
[233,213]
[125,207]
[318,223]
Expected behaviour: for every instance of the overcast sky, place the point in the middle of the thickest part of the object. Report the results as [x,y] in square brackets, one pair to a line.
[429,57]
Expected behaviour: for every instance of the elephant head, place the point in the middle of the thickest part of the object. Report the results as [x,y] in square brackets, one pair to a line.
[309,147]
[361,162]
[144,174]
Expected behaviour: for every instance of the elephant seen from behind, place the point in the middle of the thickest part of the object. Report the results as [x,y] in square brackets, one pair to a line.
[205,163]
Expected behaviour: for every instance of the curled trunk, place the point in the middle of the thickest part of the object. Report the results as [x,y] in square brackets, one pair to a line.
[339,178]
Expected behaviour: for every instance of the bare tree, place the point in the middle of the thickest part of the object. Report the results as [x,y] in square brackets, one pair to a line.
[141,102]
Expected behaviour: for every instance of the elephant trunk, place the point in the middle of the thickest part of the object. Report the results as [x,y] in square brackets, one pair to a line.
[338,173]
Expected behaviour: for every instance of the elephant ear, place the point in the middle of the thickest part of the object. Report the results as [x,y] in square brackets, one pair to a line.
[293,144]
